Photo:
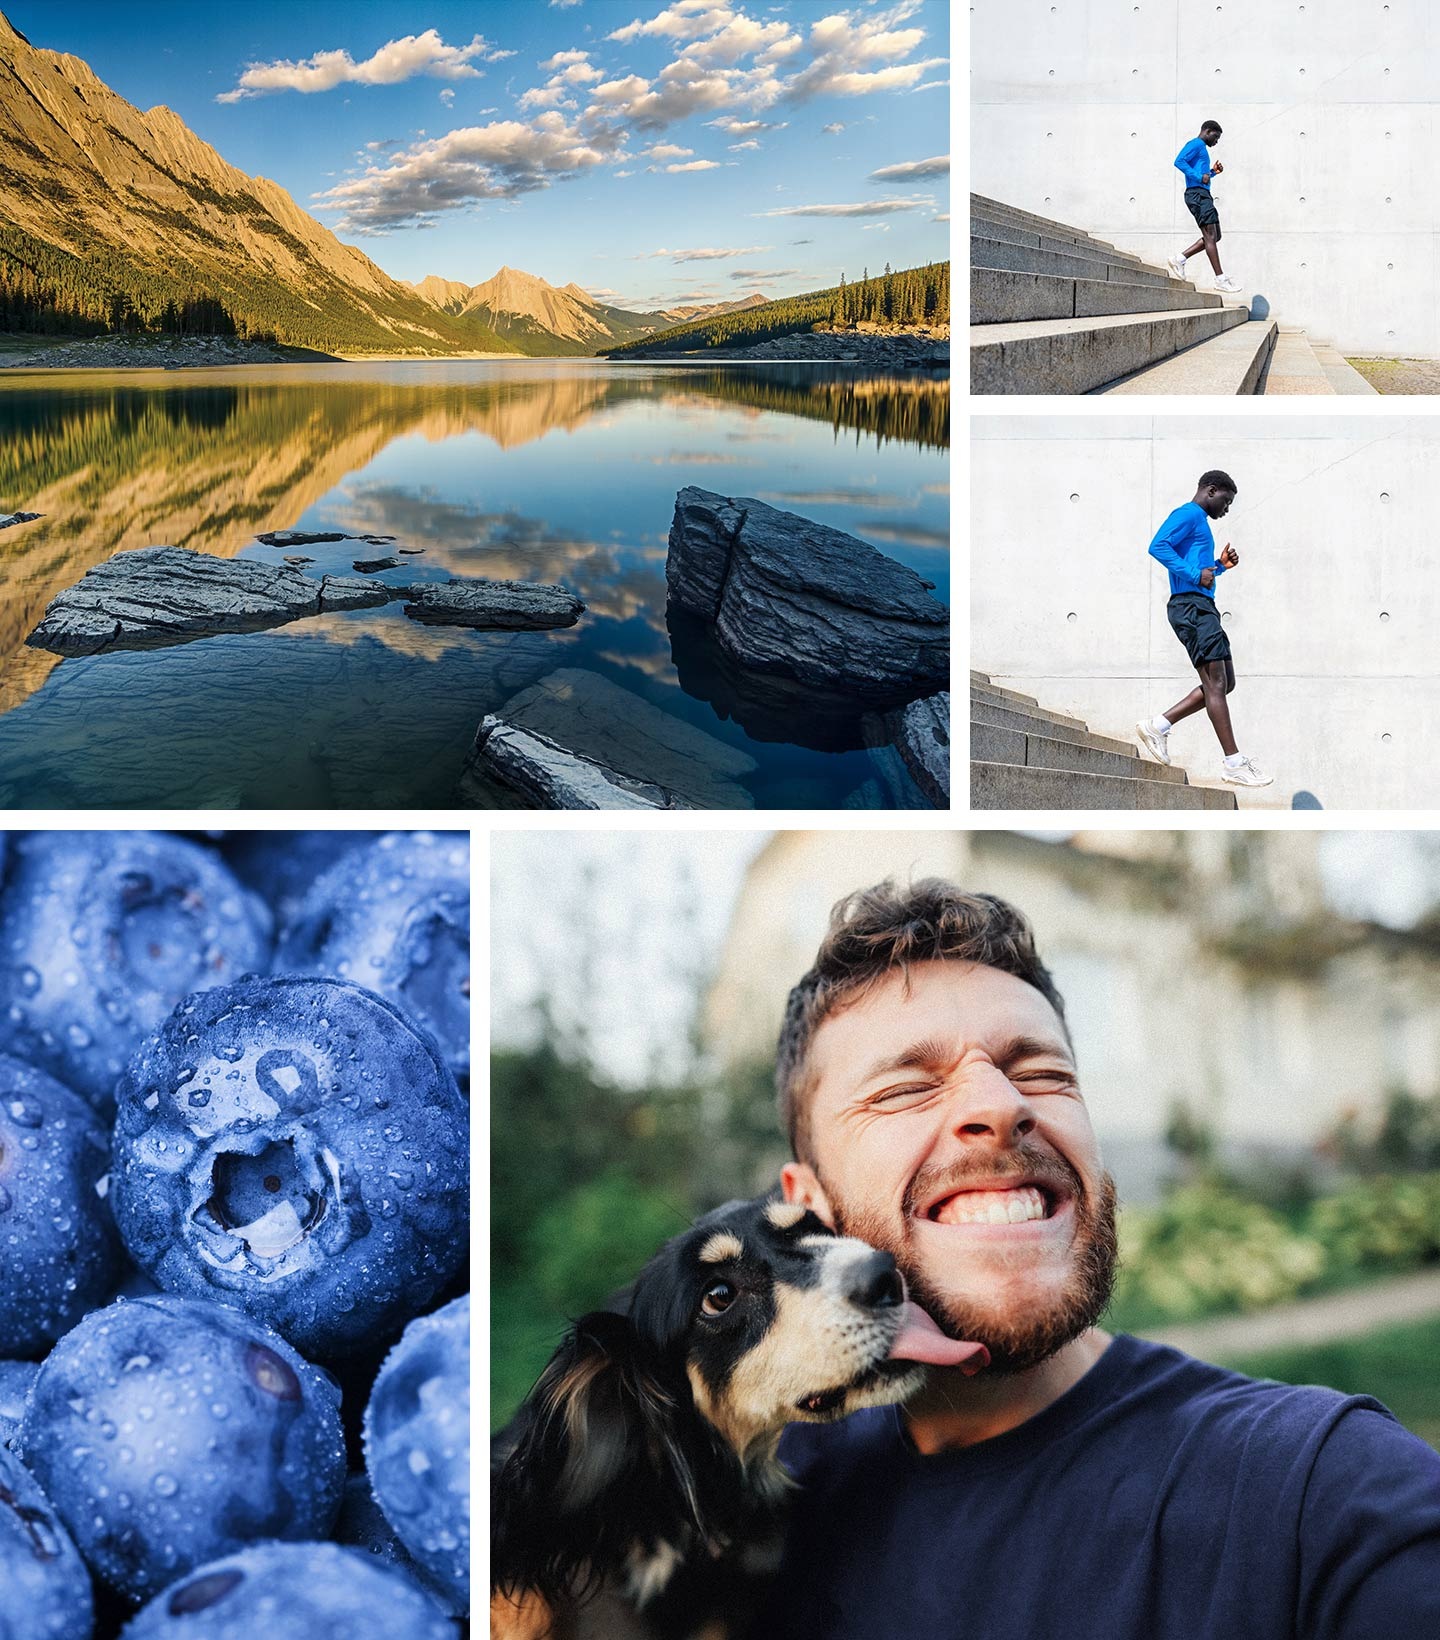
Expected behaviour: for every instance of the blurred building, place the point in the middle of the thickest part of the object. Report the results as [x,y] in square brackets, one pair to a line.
[1206,969]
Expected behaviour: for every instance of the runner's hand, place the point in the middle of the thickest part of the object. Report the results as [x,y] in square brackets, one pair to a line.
[1217,168]
[1228,556]
[1207,578]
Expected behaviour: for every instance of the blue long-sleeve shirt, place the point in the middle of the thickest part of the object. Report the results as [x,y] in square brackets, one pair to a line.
[1194,160]
[1185,545]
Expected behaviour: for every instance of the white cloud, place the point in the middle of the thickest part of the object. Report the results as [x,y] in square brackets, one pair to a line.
[706,254]
[497,161]
[562,58]
[681,90]
[394,62]
[748,274]
[745,128]
[833,130]
[850,54]
[696,165]
[668,150]
[871,207]
[564,5]
[943,217]
[447,96]
[547,96]
[737,147]
[741,37]
[913,170]
[684,20]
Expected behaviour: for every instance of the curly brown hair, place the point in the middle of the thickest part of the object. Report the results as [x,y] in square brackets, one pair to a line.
[872,933]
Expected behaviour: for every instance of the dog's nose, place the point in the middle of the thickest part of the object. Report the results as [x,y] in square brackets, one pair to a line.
[874,1283]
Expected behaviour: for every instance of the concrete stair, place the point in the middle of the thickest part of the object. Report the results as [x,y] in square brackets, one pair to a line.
[1055,310]
[1024,756]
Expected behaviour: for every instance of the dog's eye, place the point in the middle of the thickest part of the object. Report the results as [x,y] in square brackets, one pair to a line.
[719,1296]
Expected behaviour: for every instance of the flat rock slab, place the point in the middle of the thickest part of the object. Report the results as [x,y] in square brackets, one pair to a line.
[7,519]
[598,722]
[371,566]
[798,599]
[503,605]
[305,538]
[153,596]
[551,777]
[920,734]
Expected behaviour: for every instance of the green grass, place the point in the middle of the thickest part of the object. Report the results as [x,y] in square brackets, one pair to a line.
[1397,1365]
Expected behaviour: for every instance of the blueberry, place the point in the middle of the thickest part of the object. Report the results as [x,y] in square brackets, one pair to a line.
[59,1254]
[362,1526]
[292,1591]
[16,1378]
[296,1147]
[168,1431]
[103,933]
[417,1444]
[281,865]
[44,1587]
[395,916]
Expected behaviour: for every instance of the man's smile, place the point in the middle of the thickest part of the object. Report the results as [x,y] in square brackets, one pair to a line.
[1027,1208]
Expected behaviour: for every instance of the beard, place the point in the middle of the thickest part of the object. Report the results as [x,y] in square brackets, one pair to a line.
[1017,1342]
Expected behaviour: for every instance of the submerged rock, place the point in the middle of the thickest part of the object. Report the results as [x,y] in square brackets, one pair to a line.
[370,566]
[303,538]
[581,715]
[551,777]
[920,734]
[495,604]
[7,519]
[797,599]
[152,596]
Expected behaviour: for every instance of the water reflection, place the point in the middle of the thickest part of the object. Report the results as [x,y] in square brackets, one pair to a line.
[551,472]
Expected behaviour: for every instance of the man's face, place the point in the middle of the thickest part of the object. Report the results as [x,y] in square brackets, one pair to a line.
[1216,502]
[947,1127]
[1209,138]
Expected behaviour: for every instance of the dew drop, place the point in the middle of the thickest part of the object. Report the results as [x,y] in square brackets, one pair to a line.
[25,1112]
[135,1363]
[29,979]
[199,1097]
[166,1485]
[78,1036]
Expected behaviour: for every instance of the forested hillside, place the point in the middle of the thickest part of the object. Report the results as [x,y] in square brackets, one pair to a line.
[915,296]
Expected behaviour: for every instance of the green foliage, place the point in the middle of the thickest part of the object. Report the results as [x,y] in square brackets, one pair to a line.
[1207,1249]
[51,291]
[1407,1138]
[592,1242]
[913,297]
[1381,1223]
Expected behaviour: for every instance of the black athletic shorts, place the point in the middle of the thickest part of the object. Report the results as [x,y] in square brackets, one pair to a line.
[1202,208]
[1196,622]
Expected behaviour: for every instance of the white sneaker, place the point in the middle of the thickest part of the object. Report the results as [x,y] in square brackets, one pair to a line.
[1155,744]
[1244,773]
[1176,265]
[1226,283]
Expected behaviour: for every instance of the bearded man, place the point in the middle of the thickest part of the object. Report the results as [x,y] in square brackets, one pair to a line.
[1082,1485]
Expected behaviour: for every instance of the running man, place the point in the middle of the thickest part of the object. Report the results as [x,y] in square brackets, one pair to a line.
[1194,161]
[1185,545]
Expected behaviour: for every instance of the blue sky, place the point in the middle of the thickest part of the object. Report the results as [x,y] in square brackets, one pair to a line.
[651,152]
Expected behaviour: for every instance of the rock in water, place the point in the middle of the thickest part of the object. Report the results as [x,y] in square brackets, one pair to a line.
[153,596]
[553,778]
[496,604]
[583,716]
[920,732]
[797,599]
[303,538]
[369,566]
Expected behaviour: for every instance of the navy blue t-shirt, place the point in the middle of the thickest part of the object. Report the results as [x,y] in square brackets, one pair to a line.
[1160,1498]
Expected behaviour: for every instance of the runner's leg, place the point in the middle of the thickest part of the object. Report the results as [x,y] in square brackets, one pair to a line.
[1216,680]
[1212,248]
[1192,703]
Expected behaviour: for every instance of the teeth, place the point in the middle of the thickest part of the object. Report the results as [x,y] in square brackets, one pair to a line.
[993,1207]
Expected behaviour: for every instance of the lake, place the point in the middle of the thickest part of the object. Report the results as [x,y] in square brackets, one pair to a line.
[556,470]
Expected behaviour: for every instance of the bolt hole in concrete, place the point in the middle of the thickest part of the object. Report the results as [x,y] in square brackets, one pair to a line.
[1384,614]
[1072,617]
[1384,495]
[1074,497]
[1224,614]
[1385,740]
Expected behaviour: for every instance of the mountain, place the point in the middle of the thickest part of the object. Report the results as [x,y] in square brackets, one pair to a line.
[712,310]
[537,317]
[111,218]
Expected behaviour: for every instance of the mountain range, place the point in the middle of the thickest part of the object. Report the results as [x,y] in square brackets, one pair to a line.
[111,218]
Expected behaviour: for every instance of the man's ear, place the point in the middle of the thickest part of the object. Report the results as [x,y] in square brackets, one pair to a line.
[801,1184]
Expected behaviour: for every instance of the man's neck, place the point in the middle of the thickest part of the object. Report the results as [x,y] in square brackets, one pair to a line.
[953,1410]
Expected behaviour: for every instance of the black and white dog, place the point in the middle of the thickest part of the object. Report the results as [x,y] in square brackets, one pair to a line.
[637,1492]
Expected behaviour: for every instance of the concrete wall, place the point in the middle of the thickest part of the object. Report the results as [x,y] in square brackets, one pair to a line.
[1328,202]
[1333,614]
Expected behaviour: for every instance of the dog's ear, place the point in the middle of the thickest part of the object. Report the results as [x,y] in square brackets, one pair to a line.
[591,1460]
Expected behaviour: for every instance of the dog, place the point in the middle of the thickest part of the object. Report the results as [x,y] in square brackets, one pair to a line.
[637,1494]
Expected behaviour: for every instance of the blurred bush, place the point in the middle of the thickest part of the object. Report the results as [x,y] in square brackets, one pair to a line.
[1381,1223]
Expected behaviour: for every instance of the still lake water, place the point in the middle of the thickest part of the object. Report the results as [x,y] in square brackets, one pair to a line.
[561,471]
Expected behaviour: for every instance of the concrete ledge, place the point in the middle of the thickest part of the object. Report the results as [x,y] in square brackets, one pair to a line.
[1078,244]
[992,745]
[1077,264]
[1341,374]
[1075,355]
[986,694]
[1232,363]
[1008,786]
[981,206]
[1033,723]
[1294,371]
[1004,296]
[983,689]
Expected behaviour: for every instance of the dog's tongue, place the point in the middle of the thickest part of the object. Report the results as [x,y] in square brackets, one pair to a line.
[920,1339]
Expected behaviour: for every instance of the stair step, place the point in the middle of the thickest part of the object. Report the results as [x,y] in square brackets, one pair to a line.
[1010,746]
[1074,243]
[1294,370]
[1075,355]
[1231,363]
[997,211]
[1012,786]
[1037,723]
[1077,263]
[986,694]
[1000,296]
[1343,375]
